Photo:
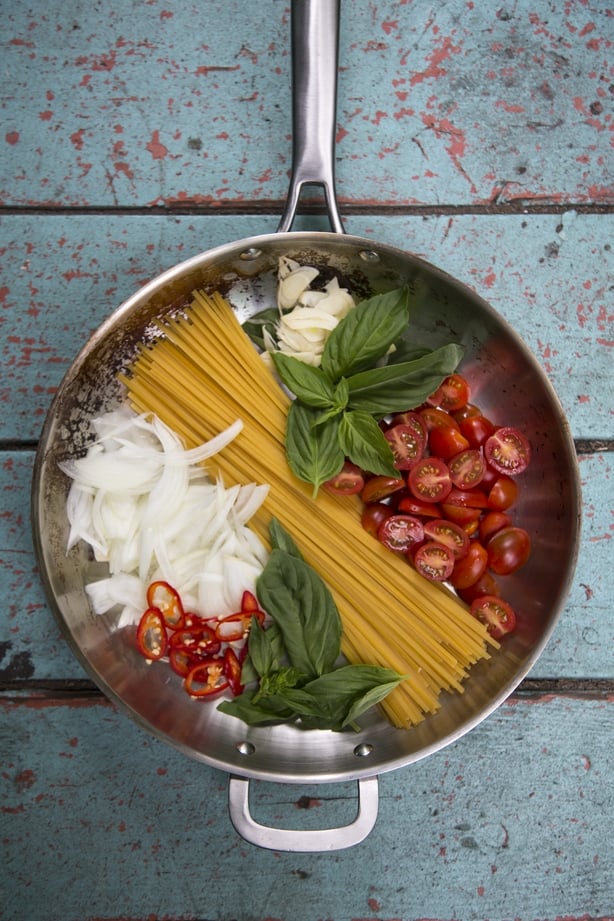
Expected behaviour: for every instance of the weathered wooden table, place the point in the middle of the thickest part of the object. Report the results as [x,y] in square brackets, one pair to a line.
[137,134]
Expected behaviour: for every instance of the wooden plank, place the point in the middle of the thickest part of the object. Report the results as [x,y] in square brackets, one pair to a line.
[113,104]
[32,648]
[548,275]
[101,821]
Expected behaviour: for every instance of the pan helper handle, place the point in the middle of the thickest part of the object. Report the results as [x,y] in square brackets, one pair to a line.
[299,840]
[315,48]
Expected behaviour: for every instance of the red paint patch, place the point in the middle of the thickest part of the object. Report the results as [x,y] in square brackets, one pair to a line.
[157,150]
[25,779]
[373,904]
[12,137]
[45,116]
[76,139]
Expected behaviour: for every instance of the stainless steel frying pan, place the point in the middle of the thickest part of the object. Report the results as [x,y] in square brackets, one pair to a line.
[548,507]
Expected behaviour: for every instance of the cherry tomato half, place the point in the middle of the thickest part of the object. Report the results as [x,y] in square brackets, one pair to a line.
[449,534]
[503,493]
[452,394]
[434,561]
[429,479]
[413,419]
[497,614]
[433,418]
[347,482]
[476,429]
[400,532]
[373,515]
[467,468]
[471,567]
[410,505]
[445,441]
[406,444]
[379,487]
[485,585]
[508,550]
[508,451]
[491,523]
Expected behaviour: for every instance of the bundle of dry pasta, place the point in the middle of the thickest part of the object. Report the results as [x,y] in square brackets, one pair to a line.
[202,374]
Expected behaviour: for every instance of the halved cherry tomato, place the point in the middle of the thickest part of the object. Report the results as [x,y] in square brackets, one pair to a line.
[436,418]
[429,479]
[469,568]
[508,550]
[206,679]
[449,534]
[467,498]
[373,515]
[413,419]
[232,670]
[406,444]
[467,468]
[485,585]
[503,493]
[347,482]
[400,532]
[410,505]
[497,614]
[166,599]
[446,441]
[461,514]
[151,634]
[379,487]
[508,451]
[434,561]
[476,429]
[452,393]
[468,411]
[491,523]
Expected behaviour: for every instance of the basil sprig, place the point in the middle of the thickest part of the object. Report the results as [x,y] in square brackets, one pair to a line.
[337,405]
[294,660]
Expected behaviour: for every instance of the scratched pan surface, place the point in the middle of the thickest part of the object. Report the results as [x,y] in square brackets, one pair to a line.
[506,382]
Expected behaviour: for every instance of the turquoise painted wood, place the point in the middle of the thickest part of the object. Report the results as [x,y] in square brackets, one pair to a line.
[506,823]
[134,135]
[152,104]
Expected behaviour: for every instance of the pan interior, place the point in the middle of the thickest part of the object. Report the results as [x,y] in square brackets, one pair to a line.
[507,383]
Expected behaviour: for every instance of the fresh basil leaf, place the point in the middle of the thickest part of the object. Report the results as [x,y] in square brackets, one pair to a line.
[363,441]
[310,385]
[297,599]
[281,540]
[254,327]
[265,648]
[312,451]
[366,333]
[266,713]
[340,401]
[397,387]
[276,684]
[405,350]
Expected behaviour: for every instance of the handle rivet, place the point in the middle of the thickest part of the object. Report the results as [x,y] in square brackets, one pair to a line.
[250,254]
[369,255]
[245,748]
[362,750]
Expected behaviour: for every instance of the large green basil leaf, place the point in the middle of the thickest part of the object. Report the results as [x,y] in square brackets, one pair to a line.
[281,540]
[365,334]
[301,605]
[397,387]
[363,441]
[310,385]
[313,451]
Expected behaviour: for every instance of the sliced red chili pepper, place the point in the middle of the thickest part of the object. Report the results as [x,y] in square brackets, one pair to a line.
[180,661]
[249,602]
[232,670]
[163,596]
[206,679]
[236,626]
[151,634]
[198,641]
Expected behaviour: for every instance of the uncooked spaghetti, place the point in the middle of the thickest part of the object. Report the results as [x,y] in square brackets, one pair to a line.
[202,374]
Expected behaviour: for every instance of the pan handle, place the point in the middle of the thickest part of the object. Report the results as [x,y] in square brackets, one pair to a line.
[286,839]
[315,49]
